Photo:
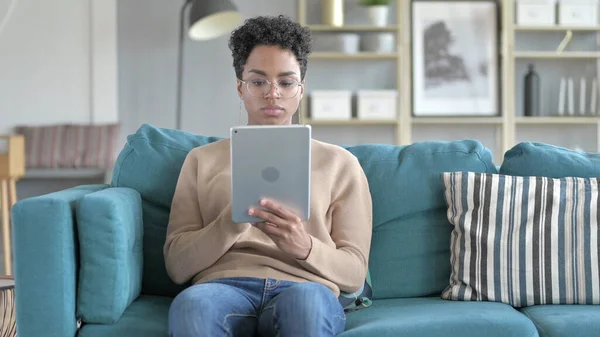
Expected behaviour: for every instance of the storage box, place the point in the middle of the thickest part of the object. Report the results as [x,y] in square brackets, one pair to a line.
[578,12]
[331,105]
[536,12]
[377,104]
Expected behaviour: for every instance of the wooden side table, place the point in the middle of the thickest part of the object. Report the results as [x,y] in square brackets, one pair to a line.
[12,168]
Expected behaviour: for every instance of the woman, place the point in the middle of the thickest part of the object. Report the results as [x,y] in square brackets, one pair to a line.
[280,277]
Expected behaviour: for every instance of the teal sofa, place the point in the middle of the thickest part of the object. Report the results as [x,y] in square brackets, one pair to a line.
[89,263]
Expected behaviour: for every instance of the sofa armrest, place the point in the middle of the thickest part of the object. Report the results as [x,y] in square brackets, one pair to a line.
[46,260]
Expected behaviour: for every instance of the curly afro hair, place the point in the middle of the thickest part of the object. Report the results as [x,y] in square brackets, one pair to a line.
[271,31]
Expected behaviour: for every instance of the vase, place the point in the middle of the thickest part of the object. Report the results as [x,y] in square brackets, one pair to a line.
[333,12]
[378,15]
[532,93]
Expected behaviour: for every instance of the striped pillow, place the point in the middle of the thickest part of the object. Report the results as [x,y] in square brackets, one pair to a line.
[523,240]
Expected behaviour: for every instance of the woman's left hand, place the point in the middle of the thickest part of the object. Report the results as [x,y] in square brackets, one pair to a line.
[283,227]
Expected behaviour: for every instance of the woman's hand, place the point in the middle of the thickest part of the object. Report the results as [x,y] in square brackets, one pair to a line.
[284,228]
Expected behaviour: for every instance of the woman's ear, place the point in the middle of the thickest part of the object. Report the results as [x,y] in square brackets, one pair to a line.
[239,88]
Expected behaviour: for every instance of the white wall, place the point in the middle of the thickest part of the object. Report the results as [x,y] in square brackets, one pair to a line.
[58,63]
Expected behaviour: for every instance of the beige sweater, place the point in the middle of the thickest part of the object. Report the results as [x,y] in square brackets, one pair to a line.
[204,244]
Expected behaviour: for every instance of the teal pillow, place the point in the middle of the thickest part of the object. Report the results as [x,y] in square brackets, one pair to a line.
[544,160]
[150,164]
[110,232]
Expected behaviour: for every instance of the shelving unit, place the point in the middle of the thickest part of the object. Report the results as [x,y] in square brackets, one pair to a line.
[563,60]
[509,125]
[402,124]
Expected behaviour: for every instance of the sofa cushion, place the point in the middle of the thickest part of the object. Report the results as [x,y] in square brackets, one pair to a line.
[110,232]
[523,240]
[525,159]
[150,163]
[410,251]
[565,320]
[145,317]
[430,316]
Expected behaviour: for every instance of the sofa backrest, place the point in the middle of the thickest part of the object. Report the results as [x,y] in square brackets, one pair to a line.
[410,252]
[410,248]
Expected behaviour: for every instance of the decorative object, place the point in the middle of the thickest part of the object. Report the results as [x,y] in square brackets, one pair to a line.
[208,19]
[377,104]
[378,11]
[331,105]
[12,168]
[350,43]
[536,12]
[333,12]
[378,42]
[578,12]
[8,315]
[582,92]
[531,97]
[594,97]
[455,58]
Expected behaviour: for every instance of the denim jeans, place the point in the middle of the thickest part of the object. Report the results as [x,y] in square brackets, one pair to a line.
[256,307]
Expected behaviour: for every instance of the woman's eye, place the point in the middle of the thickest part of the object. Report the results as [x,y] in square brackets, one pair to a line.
[258,83]
[286,83]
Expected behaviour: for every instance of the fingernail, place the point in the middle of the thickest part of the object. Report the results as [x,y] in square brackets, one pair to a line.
[250,211]
[263,202]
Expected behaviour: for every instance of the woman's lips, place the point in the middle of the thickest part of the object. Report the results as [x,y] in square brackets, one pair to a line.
[272,110]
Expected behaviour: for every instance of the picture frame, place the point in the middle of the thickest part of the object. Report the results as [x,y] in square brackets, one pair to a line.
[455,58]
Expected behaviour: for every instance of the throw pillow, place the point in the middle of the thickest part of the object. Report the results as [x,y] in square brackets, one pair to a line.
[523,240]
[110,233]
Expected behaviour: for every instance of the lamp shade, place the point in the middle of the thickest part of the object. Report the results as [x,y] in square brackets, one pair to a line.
[212,18]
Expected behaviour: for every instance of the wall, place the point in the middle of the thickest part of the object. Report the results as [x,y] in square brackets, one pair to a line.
[148,42]
[58,62]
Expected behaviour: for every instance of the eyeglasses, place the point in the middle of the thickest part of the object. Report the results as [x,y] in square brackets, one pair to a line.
[286,88]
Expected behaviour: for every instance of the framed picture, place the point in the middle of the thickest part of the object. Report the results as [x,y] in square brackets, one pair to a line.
[455,58]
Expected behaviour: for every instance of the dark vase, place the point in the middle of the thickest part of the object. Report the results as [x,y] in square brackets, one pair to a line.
[532,93]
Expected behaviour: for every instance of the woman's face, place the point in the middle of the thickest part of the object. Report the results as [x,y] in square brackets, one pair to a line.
[271,77]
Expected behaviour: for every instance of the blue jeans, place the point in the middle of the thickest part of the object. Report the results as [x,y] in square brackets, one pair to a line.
[250,306]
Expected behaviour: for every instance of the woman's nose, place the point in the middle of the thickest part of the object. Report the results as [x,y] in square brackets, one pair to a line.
[273,91]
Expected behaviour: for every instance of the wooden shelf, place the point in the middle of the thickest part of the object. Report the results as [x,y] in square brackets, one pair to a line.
[456,120]
[557,55]
[350,122]
[357,56]
[557,28]
[559,120]
[352,28]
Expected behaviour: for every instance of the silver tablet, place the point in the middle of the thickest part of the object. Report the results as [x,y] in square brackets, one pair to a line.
[270,162]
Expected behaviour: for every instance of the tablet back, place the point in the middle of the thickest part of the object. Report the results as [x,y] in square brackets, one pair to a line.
[270,162]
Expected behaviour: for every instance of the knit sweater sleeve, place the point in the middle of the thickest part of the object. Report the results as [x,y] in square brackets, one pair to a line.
[345,261]
[192,246]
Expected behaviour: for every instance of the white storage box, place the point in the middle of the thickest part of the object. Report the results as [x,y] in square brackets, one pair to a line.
[331,105]
[578,12]
[536,12]
[377,104]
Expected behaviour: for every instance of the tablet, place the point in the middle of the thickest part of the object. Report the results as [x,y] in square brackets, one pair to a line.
[270,162]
